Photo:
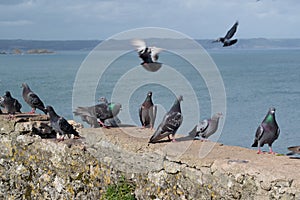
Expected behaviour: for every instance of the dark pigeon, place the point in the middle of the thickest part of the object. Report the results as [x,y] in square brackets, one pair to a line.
[149,55]
[96,115]
[170,123]
[60,124]
[110,122]
[10,104]
[267,132]
[208,127]
[294,150]
[147,112]
[226,40]
[32,99]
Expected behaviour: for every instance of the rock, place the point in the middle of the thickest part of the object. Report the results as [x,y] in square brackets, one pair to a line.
[36,168]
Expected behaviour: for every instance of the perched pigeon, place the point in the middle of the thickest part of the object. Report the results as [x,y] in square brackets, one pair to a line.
[98,113]
[149,55]
[170,123]
[208,127]
[226,40]
[267,132]
[60,124]
[147,112]
[110,122]
[294,150]
[10,104]
[32,99]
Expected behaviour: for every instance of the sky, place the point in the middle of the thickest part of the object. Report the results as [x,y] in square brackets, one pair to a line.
[101,19]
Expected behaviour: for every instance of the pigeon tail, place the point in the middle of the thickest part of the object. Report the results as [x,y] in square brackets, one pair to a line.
[255,144]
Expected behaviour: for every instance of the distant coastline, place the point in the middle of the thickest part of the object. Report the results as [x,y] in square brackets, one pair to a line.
[50,46]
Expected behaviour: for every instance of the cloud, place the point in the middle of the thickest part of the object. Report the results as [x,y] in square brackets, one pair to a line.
[99,19]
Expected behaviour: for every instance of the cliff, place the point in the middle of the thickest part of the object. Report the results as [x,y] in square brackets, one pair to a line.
[35,168]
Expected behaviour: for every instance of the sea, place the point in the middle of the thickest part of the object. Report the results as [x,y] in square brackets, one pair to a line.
[241,83]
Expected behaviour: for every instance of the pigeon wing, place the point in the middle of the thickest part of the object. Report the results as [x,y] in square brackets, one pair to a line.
[154,53]
[232,31]
[139,44]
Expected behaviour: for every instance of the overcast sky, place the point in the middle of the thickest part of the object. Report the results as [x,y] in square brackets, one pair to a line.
[100,19]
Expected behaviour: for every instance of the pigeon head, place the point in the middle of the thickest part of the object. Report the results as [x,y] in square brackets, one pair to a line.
[180,98]
[218,115]
[25,85]
[103,100]
[49,109]
[272,110]
[7,94]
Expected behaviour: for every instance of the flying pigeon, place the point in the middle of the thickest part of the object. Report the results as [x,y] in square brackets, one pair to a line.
[98,113]
[10,104]
[208,127]
[226,40]
[149,55]
[147,112]
[32,99]
[267,132]
[60,124]
[170,123]
[294,150]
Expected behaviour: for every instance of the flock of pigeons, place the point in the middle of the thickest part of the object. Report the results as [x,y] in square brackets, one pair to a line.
[104,114]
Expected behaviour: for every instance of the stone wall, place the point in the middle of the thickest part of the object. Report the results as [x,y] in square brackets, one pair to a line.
[36,168]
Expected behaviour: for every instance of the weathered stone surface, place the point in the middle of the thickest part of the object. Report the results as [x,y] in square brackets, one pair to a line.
[36,168]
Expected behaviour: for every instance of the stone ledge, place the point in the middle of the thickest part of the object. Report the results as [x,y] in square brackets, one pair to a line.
[187,169]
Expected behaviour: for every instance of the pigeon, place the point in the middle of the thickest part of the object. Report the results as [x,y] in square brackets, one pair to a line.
[97,114]
[60,124]
[294,150]
[32,99]
[147,112]
[267,132]
[170,123]
[10,104]
[208,127]
[110,122]
[226,40]
[149,55]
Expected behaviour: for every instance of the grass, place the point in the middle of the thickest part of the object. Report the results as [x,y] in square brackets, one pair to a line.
[122,190]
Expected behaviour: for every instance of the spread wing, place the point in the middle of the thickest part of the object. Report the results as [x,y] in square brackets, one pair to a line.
[232,31]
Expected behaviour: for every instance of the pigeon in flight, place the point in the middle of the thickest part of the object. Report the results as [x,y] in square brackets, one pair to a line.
[170,123]
[149,55]
[147,112]
[226,40]
[61,125]
[267,132]
[10,104]
[207,127]
[32,99]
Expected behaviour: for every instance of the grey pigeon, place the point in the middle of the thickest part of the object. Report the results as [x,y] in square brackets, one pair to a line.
[208,127]
[267,132]
[32,99]
[110,122]
[294,150]
[149,55]
[170,123]
[97,114]
[147,112]
[226,40]
[60,124]
[10,104]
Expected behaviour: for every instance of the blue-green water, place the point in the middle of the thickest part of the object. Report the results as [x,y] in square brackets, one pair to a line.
[254,81]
